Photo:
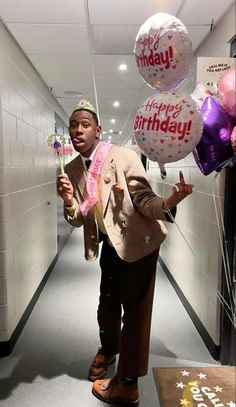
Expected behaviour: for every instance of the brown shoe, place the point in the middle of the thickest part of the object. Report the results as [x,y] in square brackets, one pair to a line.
[99,365]
[112,391]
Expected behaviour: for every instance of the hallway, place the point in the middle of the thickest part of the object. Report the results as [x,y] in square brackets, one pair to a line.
[48,366]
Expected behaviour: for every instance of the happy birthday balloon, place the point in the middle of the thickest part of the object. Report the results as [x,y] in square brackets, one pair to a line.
[163,52]
[227,91]
[167,127]
[214,150]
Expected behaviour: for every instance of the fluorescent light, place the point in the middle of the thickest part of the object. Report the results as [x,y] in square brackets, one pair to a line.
[113,120]
[116,103]
[122,67]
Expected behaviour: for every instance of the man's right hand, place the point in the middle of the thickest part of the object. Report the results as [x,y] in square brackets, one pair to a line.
[65,189]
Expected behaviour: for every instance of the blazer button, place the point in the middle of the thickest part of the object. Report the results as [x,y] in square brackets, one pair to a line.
[147,239]
[93,237]
[107,180]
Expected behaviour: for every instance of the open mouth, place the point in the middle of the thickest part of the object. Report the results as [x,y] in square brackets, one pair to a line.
[78,142]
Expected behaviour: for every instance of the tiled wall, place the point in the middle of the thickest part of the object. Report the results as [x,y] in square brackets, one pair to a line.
[28,219]
[193,254]
[192,249]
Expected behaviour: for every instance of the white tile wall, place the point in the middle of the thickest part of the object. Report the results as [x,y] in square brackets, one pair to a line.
[28,219]
[198,271]
[191,253]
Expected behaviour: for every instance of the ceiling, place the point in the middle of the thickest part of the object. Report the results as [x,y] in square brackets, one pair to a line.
[78,45]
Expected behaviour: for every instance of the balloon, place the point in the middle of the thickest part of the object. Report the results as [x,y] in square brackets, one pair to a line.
[163,52]
[202,91]
[214,149]
[233,139]
[227,91]
[167,127]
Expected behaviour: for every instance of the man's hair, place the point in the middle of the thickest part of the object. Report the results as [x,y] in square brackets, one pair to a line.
[90,111]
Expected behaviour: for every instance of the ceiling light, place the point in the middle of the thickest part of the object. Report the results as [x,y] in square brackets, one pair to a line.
[109,137]
[123,67]
[113,120]
[116,103]
[110,131]
[120,132]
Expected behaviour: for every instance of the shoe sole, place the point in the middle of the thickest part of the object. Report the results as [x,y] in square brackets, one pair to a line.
[93,378]
[115,401]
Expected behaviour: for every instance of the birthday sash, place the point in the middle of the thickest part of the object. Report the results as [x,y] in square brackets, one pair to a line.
[93,177]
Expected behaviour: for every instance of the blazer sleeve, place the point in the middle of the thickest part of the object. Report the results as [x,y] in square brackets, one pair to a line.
[77,219]
[143,197]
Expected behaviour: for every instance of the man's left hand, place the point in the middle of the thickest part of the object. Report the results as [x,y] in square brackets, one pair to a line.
[179,191]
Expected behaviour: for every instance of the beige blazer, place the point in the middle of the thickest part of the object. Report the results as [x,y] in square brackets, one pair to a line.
[132,212]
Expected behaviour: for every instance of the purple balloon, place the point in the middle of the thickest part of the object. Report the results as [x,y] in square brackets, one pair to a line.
[214,149]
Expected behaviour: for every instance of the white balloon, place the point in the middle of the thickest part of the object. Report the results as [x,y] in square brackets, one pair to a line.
[167,127]
[163,52]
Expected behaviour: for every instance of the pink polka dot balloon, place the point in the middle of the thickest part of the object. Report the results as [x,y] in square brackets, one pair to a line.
[163,52]
[167,127]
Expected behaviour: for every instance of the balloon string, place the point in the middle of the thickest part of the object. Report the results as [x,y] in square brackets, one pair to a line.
[219,295]
[224,248]
[221,216]
[204,271]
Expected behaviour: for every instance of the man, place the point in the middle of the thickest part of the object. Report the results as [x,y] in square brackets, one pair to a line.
[106,190]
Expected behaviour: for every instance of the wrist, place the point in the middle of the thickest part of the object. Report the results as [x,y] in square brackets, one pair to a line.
[70,202]
[168,204]
[165,206]
[70,209]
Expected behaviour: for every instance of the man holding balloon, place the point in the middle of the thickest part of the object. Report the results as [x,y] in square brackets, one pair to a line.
[114,202]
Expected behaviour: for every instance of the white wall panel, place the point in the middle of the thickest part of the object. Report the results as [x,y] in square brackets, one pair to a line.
[204,11]
[28,225]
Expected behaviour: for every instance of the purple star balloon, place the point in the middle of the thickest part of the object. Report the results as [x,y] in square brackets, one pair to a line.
[214,149]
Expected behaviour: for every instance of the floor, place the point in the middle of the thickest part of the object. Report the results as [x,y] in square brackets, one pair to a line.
[48,367]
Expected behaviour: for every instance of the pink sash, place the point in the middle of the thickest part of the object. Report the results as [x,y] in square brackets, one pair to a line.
[93,177]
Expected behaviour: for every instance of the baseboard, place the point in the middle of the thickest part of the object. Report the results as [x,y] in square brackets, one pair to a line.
[7,346]
[210,344]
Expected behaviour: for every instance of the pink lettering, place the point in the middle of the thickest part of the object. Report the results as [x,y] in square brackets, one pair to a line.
[154,58]
[151,104]
[154,123]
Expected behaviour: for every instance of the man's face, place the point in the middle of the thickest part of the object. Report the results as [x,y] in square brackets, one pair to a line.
[84,132]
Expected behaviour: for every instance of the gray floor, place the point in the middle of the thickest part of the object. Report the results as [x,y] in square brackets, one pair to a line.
[48,366]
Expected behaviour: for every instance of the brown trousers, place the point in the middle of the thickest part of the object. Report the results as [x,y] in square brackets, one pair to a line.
[129,286]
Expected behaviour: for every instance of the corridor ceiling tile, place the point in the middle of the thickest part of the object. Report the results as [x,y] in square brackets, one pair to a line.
[43,11]
[51,38]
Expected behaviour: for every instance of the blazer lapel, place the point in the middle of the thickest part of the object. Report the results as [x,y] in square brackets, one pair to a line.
[80,177]
[107,180]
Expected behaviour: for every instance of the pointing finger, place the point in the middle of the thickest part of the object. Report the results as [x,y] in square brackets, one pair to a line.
[181,178]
